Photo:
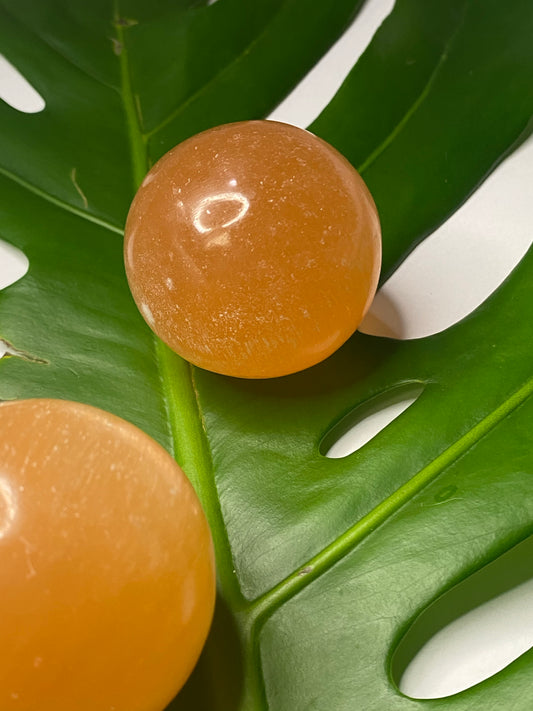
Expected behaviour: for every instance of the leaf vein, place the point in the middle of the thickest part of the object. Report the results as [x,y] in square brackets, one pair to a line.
[416,104]
[58,202]
[261,608]
[227,67]
[61,54]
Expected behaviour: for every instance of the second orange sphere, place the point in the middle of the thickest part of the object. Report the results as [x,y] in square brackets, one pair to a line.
[253,249]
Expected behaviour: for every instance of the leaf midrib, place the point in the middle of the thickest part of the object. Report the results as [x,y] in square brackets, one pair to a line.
[189,441]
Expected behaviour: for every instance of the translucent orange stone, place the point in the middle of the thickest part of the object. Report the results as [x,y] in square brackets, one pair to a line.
[106,563]
[253,249]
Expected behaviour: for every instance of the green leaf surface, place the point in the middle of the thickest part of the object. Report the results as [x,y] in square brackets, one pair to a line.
[323,564]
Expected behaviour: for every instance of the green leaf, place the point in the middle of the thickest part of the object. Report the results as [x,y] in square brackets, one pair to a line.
[323,563]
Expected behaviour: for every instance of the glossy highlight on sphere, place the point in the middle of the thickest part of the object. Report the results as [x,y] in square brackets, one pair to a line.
[106,563]
[253,249]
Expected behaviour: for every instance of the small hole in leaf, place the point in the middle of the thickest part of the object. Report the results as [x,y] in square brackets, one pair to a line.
[368,419]
[13,264]
[16,91]
[464,261]
[319,86]
[7,349]
[472,632]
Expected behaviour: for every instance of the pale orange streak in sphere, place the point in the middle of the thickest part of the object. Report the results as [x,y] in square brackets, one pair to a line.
[253,249]
[106,563]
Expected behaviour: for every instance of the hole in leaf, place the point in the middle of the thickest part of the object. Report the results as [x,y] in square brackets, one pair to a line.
[464,261]
[16,90]
[473,631]
[368,419]
[13,264]
[319,86]
[8,350]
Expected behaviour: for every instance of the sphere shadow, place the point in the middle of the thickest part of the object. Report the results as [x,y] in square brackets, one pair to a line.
[353,362]
[385,318]
[218,678]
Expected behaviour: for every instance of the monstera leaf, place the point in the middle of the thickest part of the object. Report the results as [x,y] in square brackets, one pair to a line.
[323,564]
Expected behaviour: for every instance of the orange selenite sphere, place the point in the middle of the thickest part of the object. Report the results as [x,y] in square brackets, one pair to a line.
[253,249]
[106,563]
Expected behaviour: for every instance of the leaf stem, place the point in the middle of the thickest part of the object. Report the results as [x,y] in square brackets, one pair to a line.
[137,143]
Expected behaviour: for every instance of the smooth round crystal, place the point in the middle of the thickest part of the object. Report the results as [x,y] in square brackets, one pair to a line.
[253,249]
[106,563]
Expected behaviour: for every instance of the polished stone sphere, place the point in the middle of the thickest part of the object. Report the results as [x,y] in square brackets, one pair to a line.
[253,249]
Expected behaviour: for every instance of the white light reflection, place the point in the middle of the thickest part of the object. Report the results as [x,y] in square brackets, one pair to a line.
[129,253]
[148,315]
[8,507]
[203,209]
[221,239]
